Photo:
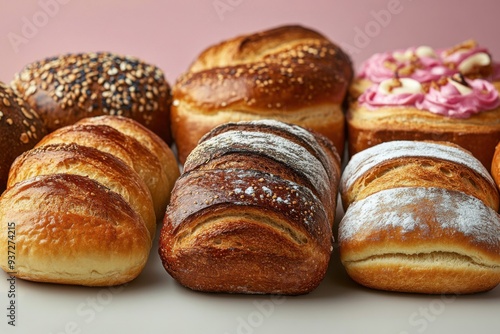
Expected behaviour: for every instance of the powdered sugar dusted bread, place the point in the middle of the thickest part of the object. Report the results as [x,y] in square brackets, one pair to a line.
[424,240]
[416,164]
[253,211]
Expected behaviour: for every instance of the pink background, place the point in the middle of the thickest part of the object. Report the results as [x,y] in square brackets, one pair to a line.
[170,34]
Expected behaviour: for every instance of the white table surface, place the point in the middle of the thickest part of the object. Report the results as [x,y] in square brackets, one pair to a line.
[155,303]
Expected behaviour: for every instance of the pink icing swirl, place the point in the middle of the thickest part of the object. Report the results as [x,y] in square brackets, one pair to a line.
[448,101]
[458,57]
[422,69]
[373,99]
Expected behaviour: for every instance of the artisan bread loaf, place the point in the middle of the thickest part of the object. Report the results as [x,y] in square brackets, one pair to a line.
[80,207]
[70,229]
[290,73]
[253,211]
[421,217]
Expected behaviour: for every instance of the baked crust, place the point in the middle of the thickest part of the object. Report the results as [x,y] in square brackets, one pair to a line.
[424,240]
[253,211]
[416,164]
[290,73]
[99,166]
[479,133]
[70,229]
[126,148]
[20,130]
[66,88]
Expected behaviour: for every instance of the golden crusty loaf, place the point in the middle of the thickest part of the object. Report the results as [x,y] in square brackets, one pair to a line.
[290,73]
[66,88]
[419,219]
[20,129]
[168,162]
[126,148]
[99,166]
[70,229]
[416,164]
[112,203]
[253,211]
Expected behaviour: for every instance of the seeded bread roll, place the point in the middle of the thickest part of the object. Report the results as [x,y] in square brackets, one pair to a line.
[20,129]
[253,211]
[126,148]
[67,88]
[421,217]
[70,229]
[290,73]
[416,164]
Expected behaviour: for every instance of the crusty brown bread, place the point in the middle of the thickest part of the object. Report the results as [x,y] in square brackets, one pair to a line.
[253,211]
[168,162]
[66,88]
[126,148]
[20,129]
[70,229]
[82,186]
[99,166]
[290,73]
[421,217]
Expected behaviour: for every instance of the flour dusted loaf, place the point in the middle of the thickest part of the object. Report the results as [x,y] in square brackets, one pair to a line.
[253,211]
[80,203]
[20,129]
[290,73]
[66,88]
[421,217]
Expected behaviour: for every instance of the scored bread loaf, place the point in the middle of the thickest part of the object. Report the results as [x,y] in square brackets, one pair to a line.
[66,88]
[421,217]
[20,129]
[253,211]
[290,73]
[81,206]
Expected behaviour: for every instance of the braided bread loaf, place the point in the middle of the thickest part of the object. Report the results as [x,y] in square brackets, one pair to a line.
[290,73]
[421,217]
[253,211]
[83,202]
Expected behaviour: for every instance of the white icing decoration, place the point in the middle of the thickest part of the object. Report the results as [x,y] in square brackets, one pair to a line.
[408,86]
[425,51]
[478,59]
[365,160]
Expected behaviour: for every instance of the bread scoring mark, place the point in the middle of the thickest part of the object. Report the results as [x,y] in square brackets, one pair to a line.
[128,84]
[272,146]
